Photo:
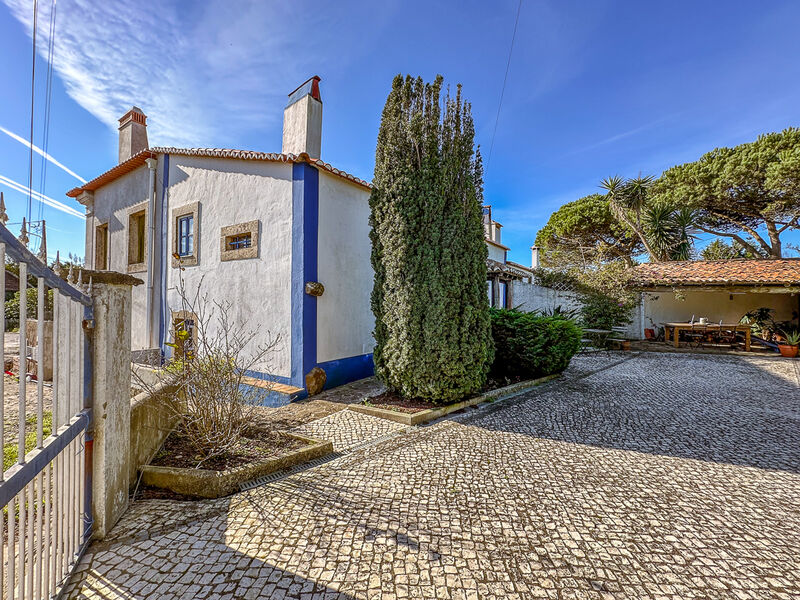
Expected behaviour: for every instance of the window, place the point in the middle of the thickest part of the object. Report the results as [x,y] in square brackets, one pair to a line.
[184,333]
[186,235]
[101,247]
[235,242]
[137,241]
[239,241]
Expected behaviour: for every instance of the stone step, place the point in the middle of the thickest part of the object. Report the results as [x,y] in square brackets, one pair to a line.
[278,388]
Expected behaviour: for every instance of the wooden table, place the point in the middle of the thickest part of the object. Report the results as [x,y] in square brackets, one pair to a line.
[677,327]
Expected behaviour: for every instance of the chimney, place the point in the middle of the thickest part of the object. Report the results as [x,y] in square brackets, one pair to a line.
[132,133]
[302,120]
[534,257]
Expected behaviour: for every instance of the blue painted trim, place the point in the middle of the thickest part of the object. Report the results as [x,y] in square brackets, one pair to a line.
[345,370]
[268,377]
[305,219]
[310,272]
[162,318]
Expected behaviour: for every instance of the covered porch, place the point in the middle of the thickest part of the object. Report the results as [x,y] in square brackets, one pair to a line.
[704,303]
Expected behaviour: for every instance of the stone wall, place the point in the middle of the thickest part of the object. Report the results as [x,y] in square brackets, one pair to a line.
[153,416]
[530,297]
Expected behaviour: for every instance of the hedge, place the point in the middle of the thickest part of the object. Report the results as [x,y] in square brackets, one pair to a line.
[531,345]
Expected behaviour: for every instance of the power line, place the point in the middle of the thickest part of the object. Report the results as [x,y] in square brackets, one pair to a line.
[33,91]
[47,104]
[505,78]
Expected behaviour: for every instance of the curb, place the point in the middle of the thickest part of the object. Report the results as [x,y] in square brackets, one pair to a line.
[432,414]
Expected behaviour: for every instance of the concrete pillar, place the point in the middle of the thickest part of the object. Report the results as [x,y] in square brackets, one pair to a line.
[111,396]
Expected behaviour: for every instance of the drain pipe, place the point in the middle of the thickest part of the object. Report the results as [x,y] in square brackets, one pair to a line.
[151,247]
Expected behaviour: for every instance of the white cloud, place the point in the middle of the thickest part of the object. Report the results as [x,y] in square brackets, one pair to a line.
[41,152]
[39,197]
[204,73]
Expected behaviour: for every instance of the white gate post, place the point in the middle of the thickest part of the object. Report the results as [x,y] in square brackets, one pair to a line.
[111,396]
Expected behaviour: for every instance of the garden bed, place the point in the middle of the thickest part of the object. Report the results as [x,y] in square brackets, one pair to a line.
[260,454]
[178,451]
[416,412]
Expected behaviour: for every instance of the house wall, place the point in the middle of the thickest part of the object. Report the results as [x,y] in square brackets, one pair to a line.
[496,253]
[665,307]
[112,203]
[344,316]
[231,192]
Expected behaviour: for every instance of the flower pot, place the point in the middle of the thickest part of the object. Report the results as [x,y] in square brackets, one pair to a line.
[787,350]
[625,345]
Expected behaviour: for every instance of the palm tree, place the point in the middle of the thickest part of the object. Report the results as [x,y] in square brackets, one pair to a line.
[663,230]
[627,199]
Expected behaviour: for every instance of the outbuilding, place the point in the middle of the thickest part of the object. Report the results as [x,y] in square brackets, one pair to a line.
[717,290]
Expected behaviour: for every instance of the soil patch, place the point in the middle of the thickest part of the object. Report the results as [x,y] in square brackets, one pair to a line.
[394,401]
[257,444]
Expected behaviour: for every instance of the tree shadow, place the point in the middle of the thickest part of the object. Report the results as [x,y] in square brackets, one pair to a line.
[729,409]
[193,561]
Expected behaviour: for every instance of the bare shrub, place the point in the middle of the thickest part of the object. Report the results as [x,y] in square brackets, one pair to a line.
[211,355]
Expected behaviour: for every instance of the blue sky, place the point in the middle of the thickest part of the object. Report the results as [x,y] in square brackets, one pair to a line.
[594,88]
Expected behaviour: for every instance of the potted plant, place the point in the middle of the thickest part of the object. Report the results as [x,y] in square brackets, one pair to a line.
[791,340]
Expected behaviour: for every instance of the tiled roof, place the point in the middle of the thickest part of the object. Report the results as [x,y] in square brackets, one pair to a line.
[779,271]
[137,160]
[493,266]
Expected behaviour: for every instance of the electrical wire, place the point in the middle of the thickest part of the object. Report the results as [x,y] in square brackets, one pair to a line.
[505,79]
[33,95]
[47,103]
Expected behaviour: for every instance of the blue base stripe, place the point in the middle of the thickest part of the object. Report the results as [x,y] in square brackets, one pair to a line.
[345,370]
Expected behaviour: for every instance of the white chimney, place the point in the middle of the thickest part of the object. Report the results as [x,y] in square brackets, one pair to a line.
[302,120]
[132,133]
[534,257]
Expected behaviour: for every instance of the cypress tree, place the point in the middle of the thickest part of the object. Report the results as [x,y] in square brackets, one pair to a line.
[432,328]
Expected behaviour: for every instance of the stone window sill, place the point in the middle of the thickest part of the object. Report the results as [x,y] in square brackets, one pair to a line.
[137,267]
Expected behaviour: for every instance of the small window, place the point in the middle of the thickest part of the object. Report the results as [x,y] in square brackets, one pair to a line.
[101,247]
[185,334]
[186,235]
[137,239]
[237,242]
[185,232]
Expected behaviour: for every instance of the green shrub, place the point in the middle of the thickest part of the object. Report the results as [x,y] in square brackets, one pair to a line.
[12,307]
[602,312]
[529,345]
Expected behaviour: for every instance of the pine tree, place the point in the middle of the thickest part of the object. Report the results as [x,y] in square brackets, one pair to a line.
[432,325]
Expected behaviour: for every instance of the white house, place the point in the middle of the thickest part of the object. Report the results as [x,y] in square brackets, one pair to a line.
[503,275]
[260,229]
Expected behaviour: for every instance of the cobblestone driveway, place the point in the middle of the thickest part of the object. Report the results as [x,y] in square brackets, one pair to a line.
[665,476]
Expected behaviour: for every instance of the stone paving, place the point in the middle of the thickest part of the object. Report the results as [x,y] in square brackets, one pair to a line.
[348,429]
[666,476]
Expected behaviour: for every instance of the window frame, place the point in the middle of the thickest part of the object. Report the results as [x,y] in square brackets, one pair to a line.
[134,212]
[250,228]
[179,317]
[102,230]
[193,258]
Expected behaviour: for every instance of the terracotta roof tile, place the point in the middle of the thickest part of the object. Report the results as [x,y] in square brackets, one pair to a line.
[779,271]
[493,266]
[137,161]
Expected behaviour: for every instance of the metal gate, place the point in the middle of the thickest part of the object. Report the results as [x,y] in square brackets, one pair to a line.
[46,494]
